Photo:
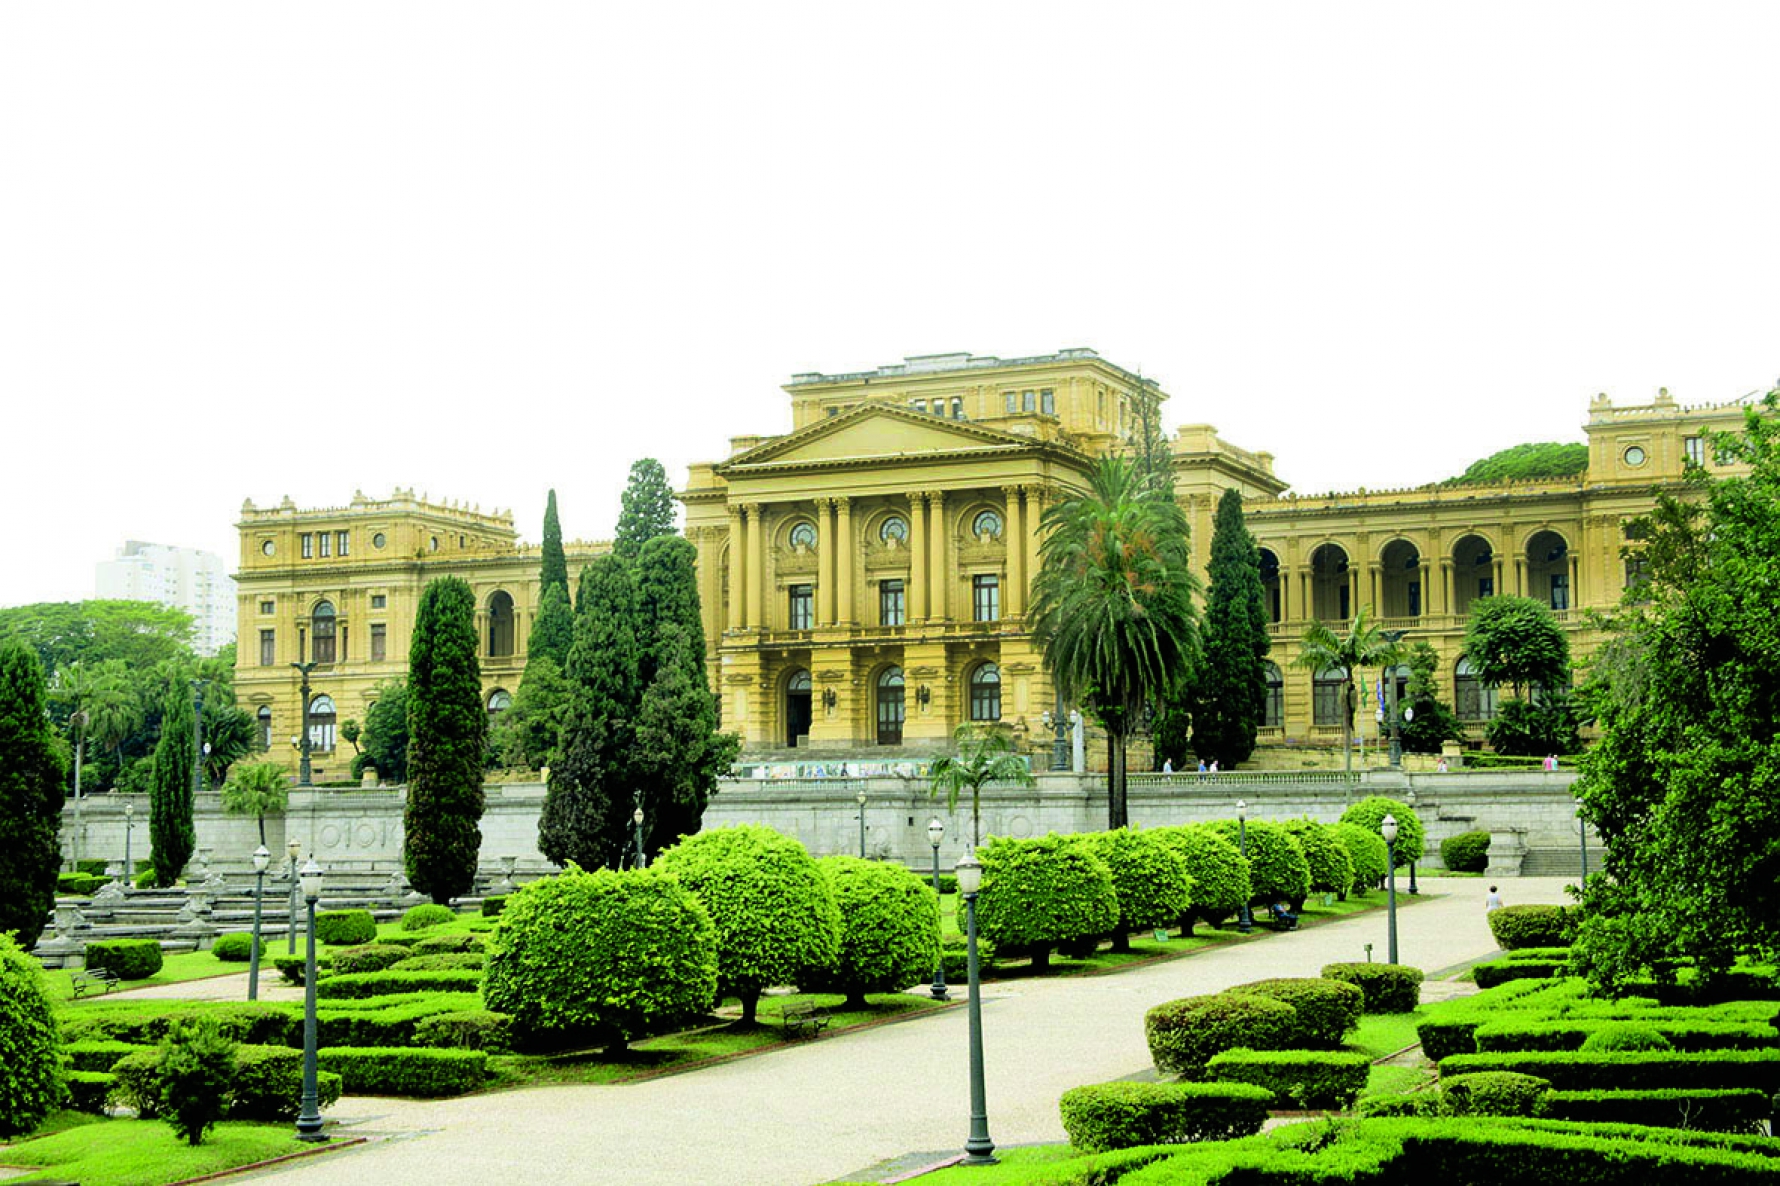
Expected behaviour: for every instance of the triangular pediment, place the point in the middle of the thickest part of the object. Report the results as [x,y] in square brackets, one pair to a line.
[875,432]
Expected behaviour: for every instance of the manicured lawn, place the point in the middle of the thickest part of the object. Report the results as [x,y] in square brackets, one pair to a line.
[176,967]
[147,1152]
[1381,1034]
[1390,1080]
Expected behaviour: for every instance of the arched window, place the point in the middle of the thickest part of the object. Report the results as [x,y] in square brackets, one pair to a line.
[890,706]
[987,525]
[799,710]
[264,717]
[321,632]
[1270,584]
[985,693]
[500,625]
[1326,693]
[499,701]
[803,535]
[894,528]
[1473,699]
[321,723]
[1274,715]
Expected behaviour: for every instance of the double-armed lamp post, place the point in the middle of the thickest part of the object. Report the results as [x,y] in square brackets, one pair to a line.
[309,1114]
[978,1148]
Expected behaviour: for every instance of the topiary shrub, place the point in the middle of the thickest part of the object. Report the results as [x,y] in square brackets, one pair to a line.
[195,1067]
[294,967]
[1041,892]
[775,917]
[1389,988]
[89,1091]
[345,928]
[422,1073]
[1468,852]
[78,885]
[948,883]
[429,914]
[138,1083]
[372,957]
[1369,813]
[449,944]
[1303,1078]
[1448,1034]
[889,929]
[235,947]
[1149,881]
[607,954]
[493,905]
[267,1084]
[1123,1115]
[97,1055]
[1218,872]
[1277,869]
[1493,1093]
[955,953]
[387,983]
[1331,871]
[1328,1010]
[128,959]
[1185,1035]
[455,961]
[1626,1037]
[1529,926]
[469,1029]
[31,1083]
[1366,851]
[1494,972]
[1702,1109]
[1422,1103]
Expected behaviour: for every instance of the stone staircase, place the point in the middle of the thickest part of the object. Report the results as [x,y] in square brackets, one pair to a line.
[1559,862]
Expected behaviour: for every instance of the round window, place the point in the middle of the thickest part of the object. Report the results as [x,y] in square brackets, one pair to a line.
[434,544]
[987,524]
[803,536]
[378,540]
[894,528]
[269,548]
[1634,455]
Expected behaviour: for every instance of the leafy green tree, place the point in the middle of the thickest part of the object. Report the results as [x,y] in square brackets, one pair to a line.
[1546,459]
[447,731]
[525,736]
[31,1084]
[1430,720]
[1151,456]
[1367,852]
[985,755]
[1042,892]
[1331,869]
[103,691]
[258,789]
[138,634]
[1218,871]
[195,1072]
[1369,813]
[1362,646]
[1112,606]
[31,796]
[1684,783]
[1278,871]
[889,929]
[1149,879]
[350,732]
[775,914]
[385,736]
[1516,641]
[171,833]
[1230,695]
[589,799]
[648,509]
[232,734]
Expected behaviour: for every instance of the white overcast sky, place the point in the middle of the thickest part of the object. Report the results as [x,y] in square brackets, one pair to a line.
[250,250]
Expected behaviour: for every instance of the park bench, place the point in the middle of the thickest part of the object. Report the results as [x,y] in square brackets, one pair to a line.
[93,978]
[1283,919]
[805,1020]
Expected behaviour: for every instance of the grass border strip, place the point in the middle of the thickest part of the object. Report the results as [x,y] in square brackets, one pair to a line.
[332,1145]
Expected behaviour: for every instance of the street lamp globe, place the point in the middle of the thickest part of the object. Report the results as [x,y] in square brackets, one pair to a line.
[1241,810]
[636,817]
[860,798]
[294,849]
[310,876]
[129,811]
[1388,829]
[261,858]
[936,831]
[970,875]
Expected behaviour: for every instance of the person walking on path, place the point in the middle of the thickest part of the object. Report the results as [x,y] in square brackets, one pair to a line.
[1493,902]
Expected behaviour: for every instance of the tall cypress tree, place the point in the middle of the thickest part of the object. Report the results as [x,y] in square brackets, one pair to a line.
[587,805]
[172,836]
[555,567]
[648,508]
[447,729]
[553,631]
[1230,699]
[30,796]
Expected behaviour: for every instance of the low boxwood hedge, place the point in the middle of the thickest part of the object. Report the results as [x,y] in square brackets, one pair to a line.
[369,957]
[376,984]
[97,1054]
[1728,1109]
[1184,1035]
[1328,1010]
[1447,1035]
[1124,1115]
[79,885]
[1495,972]
[89,1091]
[1571,1033]
[470,1029]
[1530,926]
[493,905]
[456,961]
[345,928]
[420,1072]
[1493,1093]
[145,1023]
[1300,1078]
[236,947]
[294,967]
[427,914]
[1389,988]
[267,1085]
[395,1023]
[1630,1070]
[1468,852]
[451,943]
[128,959]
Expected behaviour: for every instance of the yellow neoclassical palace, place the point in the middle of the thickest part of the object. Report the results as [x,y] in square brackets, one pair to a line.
[338,587]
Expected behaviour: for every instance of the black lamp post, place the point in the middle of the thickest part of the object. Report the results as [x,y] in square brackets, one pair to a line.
[978,1148]
[309,1116]
[1582,837]
[1410,797]
[304,776]
[636,818]
[1393,637]
[295,847]
[261,858]
[1245,922]
[1060,740]
[860,799]
[129,834]
[1388,829]
[197,735]
[936,831]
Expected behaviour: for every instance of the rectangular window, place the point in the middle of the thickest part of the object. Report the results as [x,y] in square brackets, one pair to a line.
[1415,599]
[308,546]
[1560,590]
[1486,587]
[957,407]
[326,543]
[920,405]
[832,411]
[379,601]
[302,645]
[1047,402]
[324,639]
[1695,449]
[340,542]
[1637,571]
[1274,715]
[1341,609]
[268,648]
[1012,402]
[890,603]
[986,598]
[1326,700]
[803,606]
[379,642]
[1029,401]
[267,607]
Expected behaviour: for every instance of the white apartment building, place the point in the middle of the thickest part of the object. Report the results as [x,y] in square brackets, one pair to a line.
[185,578]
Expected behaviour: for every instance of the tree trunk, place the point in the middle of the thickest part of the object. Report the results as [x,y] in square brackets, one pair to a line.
[1121,939]
[1117,780]
[750,999]
[855,1000]
[1347,726]
[1112,783]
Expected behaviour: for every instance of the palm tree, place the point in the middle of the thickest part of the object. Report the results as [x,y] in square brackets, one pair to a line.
[1112,605]
[257,789]
[105,694]
[1364,645]
[985,755]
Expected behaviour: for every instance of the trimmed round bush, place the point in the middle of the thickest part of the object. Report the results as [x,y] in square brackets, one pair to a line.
[1042,892]
[236,947]
[1626,1037]
[1529,926]
[345,928]
[1389,988]
[1331,872]
[372,957]
[429,914]
[1366,851]
[31,1083]
[1277,869]
[1369,813]
[1185,1034]
[889,929]
[1149,880]
[1105,1116]
[128,959]
[955,953]
[1328,1010]
[613,955]
[775,915]
[469,1029]
[1218,872]
[1468,852]
[1302,1078]
[1494,1093]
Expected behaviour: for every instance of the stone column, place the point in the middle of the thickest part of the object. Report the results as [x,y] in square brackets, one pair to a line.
[1307,593]
[1575,579]
[1426,575]
[1353,590]
[1375,572]
[1446,601]
[737,567]
[824,566]
[1036,498]
[1013,538]
[705,539]
[917,557]
[1285,592]
[941,576]
[1520,576]
[843,560]
[756,614]
[1499,575]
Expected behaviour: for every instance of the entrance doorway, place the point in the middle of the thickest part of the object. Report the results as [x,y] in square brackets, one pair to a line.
[797,708]
[890,709]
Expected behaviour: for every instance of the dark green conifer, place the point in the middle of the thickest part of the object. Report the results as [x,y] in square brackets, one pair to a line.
[1230,699]
[31,796]
[172,836]
[553,631]
[447,727]
[555,566]
[648,509]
